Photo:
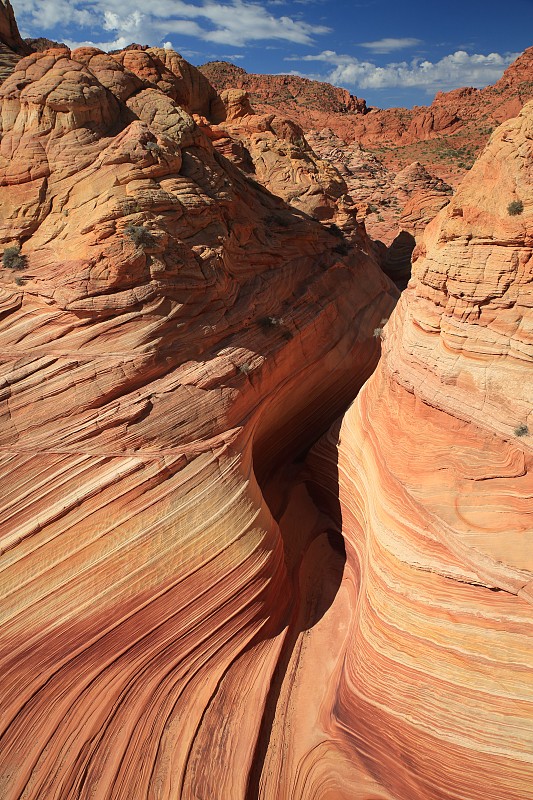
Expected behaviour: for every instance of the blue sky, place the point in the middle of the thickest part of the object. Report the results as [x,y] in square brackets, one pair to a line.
[391,53]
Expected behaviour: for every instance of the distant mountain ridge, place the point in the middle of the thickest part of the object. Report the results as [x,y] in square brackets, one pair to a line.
[445,136]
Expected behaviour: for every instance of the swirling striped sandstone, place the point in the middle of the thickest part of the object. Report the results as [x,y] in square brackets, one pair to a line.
[433,487]
[145,588]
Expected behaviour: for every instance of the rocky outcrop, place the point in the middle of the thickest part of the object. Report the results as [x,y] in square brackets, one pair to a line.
[430,478]
[460,110]
[173,337]
[12,47]
[290,94]
[387,201]
[273,150]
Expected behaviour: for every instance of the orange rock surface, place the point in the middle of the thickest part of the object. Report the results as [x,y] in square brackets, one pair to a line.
[194,603]
[171,335]
[430,478]
[273,150]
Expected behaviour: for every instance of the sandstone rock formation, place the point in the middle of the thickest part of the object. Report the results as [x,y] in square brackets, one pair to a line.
[408,199]
[12,47]
[273,150]
[172,336]
[455,111]
[430,478]
[309,103]
[193,605]
[445,136]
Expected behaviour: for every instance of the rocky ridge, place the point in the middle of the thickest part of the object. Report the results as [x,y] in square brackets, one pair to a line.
[445,136]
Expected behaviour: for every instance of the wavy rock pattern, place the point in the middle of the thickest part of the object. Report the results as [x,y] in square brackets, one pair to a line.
[274,151]
[431,478]
[164,348]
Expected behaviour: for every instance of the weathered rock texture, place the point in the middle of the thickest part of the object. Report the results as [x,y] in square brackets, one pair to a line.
[12,47]
[273,150]
[430,477]
[310,103]
[171,334]
[190,608]
[386,200]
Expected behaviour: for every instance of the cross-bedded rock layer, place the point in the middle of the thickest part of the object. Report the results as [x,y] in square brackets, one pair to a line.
[170,334]
[430,477]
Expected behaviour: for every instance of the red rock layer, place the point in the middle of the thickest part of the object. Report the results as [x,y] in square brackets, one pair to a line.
[453,112]
[12,46]
[431,478]
[170,333]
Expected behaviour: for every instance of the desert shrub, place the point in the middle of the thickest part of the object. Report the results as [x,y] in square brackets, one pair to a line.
[245,368]
[521,430]
[377,333]
[153,147]
[139,235]
[267,323]
[372,208]
[12,258]
[515,207]
[335,230]
[343,248]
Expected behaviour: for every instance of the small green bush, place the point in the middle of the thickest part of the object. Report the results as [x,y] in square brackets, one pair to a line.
[343,248]
[245,368]
[153,147]
[12,258]
[270,322]
[515,208]
[139,235]
[335,230]
[521,430]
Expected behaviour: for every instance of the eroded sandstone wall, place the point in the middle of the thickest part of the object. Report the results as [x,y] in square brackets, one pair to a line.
[430,478]
[171,334]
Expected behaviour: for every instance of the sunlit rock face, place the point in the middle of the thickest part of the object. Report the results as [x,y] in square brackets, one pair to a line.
[429,476]
[173,336]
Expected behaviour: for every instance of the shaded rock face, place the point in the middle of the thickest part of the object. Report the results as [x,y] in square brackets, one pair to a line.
[9,32]
[430,477]
[173,337]
[12,47]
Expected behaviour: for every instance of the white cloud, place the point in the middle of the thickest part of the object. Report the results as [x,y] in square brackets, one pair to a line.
[234,22]
[390,45]
[452,71]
